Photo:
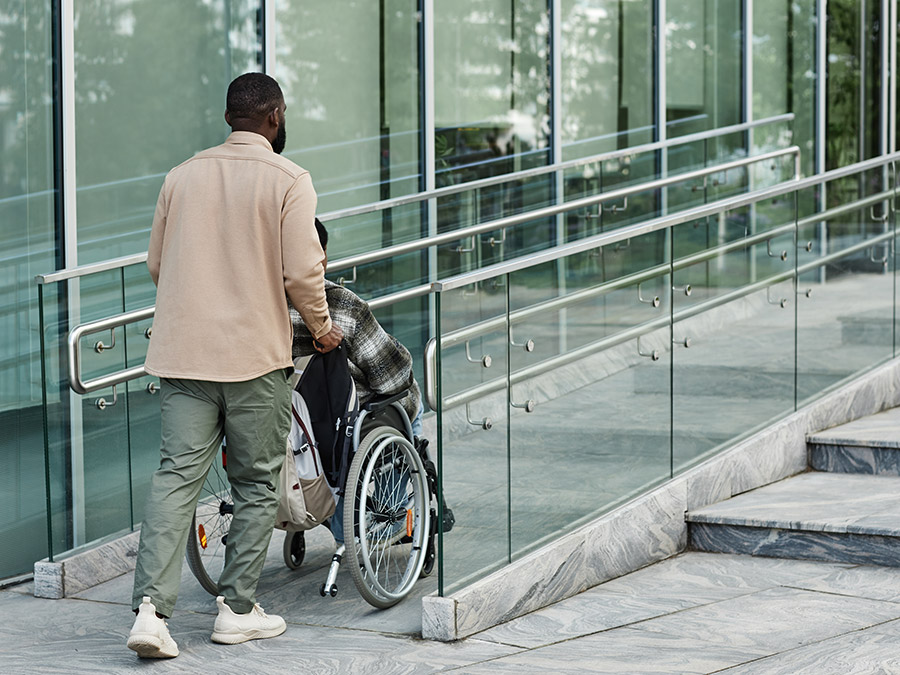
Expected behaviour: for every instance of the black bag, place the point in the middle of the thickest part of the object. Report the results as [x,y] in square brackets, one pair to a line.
[330,395]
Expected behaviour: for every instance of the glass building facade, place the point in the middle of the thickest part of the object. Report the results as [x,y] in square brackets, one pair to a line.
[498,107]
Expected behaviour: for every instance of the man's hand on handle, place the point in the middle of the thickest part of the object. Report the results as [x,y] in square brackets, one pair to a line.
[330,340]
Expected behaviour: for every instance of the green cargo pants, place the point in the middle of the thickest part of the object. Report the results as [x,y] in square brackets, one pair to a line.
[255,418]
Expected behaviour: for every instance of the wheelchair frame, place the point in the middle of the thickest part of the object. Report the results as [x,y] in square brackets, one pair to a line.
[380,572]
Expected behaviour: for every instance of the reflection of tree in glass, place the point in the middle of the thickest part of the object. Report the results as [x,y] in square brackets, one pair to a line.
[151,80]
[25,102]
[845,144]
[350,73]
[493,88]
[607,73]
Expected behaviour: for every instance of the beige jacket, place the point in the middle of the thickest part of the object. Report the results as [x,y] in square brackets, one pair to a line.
[232,234]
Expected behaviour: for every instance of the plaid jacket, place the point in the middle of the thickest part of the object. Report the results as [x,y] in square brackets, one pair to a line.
[379,364]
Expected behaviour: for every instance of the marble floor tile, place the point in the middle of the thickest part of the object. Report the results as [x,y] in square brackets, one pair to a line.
[583,614]
[708,577]
[775,619]
[687,580]
[92,640]
[875,583]
[624,650]
[865,652]
[25,588]
[891,628]
[294,593]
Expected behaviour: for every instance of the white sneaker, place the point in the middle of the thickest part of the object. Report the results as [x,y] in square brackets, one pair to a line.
[149,636]
[232,629]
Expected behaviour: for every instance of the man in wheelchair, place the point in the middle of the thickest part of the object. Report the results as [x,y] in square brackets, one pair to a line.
[379,364]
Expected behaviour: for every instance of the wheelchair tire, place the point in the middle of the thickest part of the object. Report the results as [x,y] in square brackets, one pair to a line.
[294,549]
[205,550]
[430,549]
[386,517]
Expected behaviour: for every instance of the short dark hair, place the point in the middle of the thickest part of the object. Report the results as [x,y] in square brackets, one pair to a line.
[323,234]
[253,96]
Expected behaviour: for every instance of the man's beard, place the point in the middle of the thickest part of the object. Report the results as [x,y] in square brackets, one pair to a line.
[280,138]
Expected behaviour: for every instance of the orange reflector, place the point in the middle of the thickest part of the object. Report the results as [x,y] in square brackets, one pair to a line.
[409,522]
[201,533]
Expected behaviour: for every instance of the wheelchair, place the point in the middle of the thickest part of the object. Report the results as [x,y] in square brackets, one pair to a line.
[389,512]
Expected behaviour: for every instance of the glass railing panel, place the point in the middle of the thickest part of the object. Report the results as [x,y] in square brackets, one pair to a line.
[595,384]
[605,176]
[493,203]
[56,472]
[102,446]
[780,134]
[141,394]
[870,191]
[845,310]
[774,219]
[895,223]
[405,224]
[473,440]
[733,337]
[101,472]
[26,237]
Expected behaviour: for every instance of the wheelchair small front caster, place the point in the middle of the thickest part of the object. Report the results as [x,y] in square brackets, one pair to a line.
[333,591]
[322,591]
[294,549]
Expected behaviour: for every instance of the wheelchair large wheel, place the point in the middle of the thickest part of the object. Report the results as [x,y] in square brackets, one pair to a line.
[205,550]
[386,517]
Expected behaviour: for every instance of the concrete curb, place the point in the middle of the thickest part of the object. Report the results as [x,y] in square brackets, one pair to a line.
[83,569]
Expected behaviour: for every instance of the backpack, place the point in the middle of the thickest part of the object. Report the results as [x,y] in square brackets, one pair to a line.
[305,498]
[330,395]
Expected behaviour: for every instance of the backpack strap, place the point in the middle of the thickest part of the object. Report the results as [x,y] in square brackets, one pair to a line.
[307,436]
[346,442]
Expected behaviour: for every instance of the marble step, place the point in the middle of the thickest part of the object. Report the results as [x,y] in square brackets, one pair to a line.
[869,445]
[834,517]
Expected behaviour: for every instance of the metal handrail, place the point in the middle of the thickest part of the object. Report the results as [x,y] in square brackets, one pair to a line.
[74,352]
[490,226]
[121,376]
[552,168]
[115,263]
[721,206]
[660,223]
[92,268]
[554,362]
[605,239]
[548,211]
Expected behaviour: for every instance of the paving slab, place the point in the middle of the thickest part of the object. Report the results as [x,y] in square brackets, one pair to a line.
[857,653]
[92,640]
[695,613]
[876,583]
[688,580]
[294,594]
[624,650]
[775,619]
